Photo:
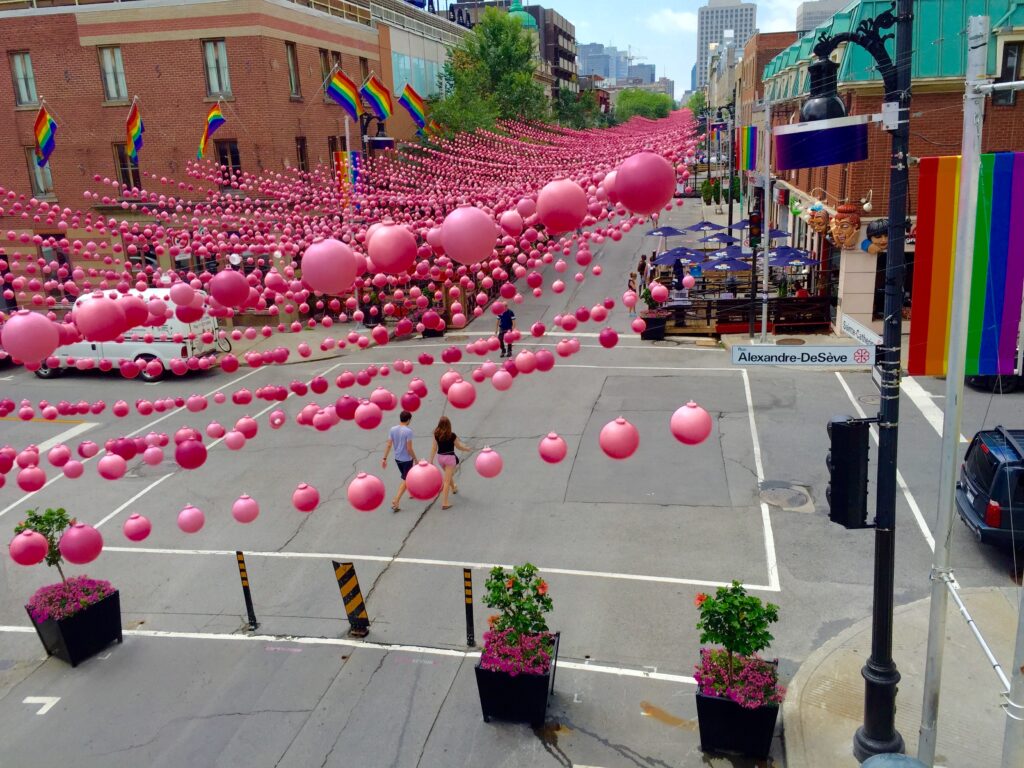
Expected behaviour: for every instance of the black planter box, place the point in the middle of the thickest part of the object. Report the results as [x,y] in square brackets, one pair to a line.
[519,698]
[655,330]
[85,634]
[430,333]
[725,726]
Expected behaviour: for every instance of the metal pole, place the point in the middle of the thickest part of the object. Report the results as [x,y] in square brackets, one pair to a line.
[765,223]
[1013,740]
[732,158]
[970,153]
[878,734]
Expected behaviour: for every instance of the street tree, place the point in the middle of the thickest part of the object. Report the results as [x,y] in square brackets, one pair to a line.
[634,101]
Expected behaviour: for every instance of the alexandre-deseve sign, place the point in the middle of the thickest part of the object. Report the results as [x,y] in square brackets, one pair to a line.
[828,356]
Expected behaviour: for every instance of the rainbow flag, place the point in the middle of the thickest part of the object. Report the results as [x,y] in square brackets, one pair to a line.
[341,88]
[378,96]
[45,131]
[746,148]
[413,102]
[134,129]
[214,120]
[997,269]
[347,166]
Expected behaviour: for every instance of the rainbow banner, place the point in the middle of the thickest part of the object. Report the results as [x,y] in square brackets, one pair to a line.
[413,103]
[134,130]
[997,269]
[746,148]
[214,120]
[341,88]
[378,96]
[347,166]
[45,132]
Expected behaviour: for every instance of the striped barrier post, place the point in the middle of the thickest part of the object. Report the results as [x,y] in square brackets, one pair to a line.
[355,608]
[244,575]
[467,580]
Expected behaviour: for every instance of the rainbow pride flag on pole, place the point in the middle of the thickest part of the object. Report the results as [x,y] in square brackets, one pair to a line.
[997,270]
[341,88]
[746,148]
[45,131]
[134,130]
[413,103]
[214,120]
[378,96]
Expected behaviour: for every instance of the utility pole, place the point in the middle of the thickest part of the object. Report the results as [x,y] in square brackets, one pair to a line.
[765,223]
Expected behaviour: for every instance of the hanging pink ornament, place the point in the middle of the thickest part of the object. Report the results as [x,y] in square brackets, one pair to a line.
[230,288]
[58,455]
[561,206]
[29,336]
[690,424]
[645,183]
[424,481]
[689,281]
[191,519]
[136,527]
[73,469]
[28,548]
[526,361]
[461,394]
[393,249]
[511,223]
[214,430]
[608,338]
[80,544]
[277,418]
[368,415]
[31,479]
[153,455]
[245,509]
[234,440]
[98,318]
[366,492]
[190,454]
[552,448]
[306,497]
[501,380]
[87,449]
[488,463]
[447,379]
[112,467]
[639,325]
[330,266]
[619,439]
[659,292]
[468,235]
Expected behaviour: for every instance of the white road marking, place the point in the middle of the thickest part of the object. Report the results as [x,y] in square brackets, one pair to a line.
[925,403]
[605,669]
[134,498]
[47,702]
[904,488]
[66,435]
[620,345]
[438,563]
[599,367]
[766,518]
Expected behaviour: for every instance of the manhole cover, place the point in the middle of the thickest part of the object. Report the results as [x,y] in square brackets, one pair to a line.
[870,399]
[789,342]
[787,496]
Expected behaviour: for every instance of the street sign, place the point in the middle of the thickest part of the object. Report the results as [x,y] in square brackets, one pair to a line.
[830,356]
[860,332]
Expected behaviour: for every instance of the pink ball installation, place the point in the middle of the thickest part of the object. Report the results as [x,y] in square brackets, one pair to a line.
[28,548]
[190,454]
[393,249]
[561,206]
[29,337]
[488,463]
[690,424]
[619,439]
[112,467]
[136,527]
[424,481]
[461,394]
[329,266]
[552,448]
[366,492]
[468,235]
[80,544]
[306,497]
[191,519]
[230,288]
[245,509]
[645,183]
[689,281]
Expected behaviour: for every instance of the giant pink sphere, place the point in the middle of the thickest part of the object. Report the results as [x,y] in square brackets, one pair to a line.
[468,235]
[31,479]
[306,497]
[329,266]
[552,448]
[99,318]
[28,548]
[112,467]
[136,527]
[80,544]
[511,223]
[191,519]
[645,183]
[424,481]
[366,492]
[393,249]
[461,394]
[368,415]
[488,463]
[190,454]
[230,288]
[690,424]
[29,336]
[245,509]
[619,439]
[561,206]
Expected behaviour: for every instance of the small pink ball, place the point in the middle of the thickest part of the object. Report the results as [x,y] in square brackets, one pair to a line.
[619,439]
[552,448]
[191,519]
[245,509]
[28,548]
[690,424]
[80,544]
[305,498]
[424,481]
[136,527]
[366,492]
[488,463]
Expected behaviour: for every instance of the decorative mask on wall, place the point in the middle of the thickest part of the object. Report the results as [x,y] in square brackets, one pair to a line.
[818,221]
[846,227]
[877,240]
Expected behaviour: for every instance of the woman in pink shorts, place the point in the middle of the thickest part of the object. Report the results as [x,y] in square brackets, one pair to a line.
[445,443]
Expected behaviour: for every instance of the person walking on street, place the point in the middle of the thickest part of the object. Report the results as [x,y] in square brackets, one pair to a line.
[641,269]
[506,322]
[400,438]
[631,286]
[445,443]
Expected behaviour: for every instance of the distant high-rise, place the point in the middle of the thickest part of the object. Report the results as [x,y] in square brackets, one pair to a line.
[716,17]
[604,60]
[644,72]
[693,78]
[816,12]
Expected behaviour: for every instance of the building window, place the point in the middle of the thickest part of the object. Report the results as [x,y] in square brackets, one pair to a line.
[127,169]
[42,182]
[227,156]
[293,70]
[112,72]
[24,80]
[1009,72]
[325,67]
[364,70]
[215,54]
[301,154]
[336,144]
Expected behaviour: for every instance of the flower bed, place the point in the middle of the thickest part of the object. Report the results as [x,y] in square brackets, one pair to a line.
[754,683]
[525,655]
[63,599]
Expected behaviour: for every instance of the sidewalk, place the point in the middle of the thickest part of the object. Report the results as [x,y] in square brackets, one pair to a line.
[825,701]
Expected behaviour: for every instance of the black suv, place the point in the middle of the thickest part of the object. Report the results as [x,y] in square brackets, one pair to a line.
[990,493]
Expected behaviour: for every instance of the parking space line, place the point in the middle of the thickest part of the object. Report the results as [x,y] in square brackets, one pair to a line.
[134,498]
[39,419]
[67,434]
[766,517]
[904,488]
[925,404]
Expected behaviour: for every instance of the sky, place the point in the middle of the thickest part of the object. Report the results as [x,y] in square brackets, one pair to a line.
[665,31]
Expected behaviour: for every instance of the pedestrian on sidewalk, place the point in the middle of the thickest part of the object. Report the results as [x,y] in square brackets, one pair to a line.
[641,269]
[400,438]
[506,322]
[631,286]
[445,443]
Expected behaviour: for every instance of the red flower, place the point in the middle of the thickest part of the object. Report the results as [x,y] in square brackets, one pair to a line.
[510,583]
[542,588]
[492,620]
[699,599]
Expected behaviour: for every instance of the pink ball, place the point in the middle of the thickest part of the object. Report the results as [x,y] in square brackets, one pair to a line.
[245,509]
[501,380]
[182,294]
[424,481]
[393,249]
[99,318]
[488,463]
[58,455]
[552,448]
[72,469]
[230,288]
[330,266]
[619,439]
[306,497]
[461,394]
[629,298]
[191,519]
[511,223]
[468,235]
[526,361]
[29,337]
[215,430]
[639,325]
[608,338]
[234,440]
[153,455]
[248,426]
[31,479]
[689,281]
[645,183]
[190,454]
[545,360]
[561,206]
[28,548]
[136,527]
[690,424]
[368,415]
[112,467]
[366,492]
[659,292]
[80,544]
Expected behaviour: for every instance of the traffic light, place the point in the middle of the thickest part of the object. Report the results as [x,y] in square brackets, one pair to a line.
[755,230]
[847,462]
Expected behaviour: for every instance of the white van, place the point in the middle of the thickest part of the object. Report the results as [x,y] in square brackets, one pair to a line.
[162,347]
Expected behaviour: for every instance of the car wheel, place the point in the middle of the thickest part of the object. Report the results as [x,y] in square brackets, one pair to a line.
[1004,385]
[45,372]
[142,361]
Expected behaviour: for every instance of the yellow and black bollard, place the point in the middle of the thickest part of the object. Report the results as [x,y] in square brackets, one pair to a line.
[244,575]
[467,580]
[355,608]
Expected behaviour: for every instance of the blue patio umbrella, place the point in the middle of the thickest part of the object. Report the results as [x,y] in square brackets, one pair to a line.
[742,224]
[685,255]
[666,232]
[777,234]
[719,238]
[704,226]
[791,260]
[731,252]
[726,265]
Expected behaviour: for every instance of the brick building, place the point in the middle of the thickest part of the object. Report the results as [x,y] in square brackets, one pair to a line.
[761,48]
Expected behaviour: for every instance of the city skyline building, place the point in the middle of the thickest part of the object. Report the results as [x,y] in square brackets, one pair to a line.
[715,18]
[814,13]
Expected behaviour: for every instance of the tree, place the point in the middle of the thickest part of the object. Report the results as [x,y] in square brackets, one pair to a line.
[577,110]
[634,101]
[697,103]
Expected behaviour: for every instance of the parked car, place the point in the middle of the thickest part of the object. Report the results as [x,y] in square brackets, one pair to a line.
[990,492]
[1001,385]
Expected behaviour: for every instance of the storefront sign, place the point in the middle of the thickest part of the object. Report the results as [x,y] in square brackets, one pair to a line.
[860,332]
[822,356]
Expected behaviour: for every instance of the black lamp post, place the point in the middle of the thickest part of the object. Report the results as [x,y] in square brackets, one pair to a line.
[878,734]
[365,119]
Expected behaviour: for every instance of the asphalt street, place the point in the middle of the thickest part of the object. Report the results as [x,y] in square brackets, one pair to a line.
[625,546]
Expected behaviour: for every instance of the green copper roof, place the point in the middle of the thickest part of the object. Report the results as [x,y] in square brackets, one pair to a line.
[516,12]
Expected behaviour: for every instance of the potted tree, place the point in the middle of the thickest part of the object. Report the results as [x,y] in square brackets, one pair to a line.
[517,667]
[78,616]
[655,319]
[738,692]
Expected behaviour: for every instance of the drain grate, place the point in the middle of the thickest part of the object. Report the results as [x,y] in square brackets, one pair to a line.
[790,497]
[870,399]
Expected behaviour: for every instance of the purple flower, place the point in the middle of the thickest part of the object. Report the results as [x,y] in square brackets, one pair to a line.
[526,654]
[63,599]
[755,682]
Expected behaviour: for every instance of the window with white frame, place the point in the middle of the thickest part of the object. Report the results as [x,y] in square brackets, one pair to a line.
[24,79]
[215,55]
[112,73]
